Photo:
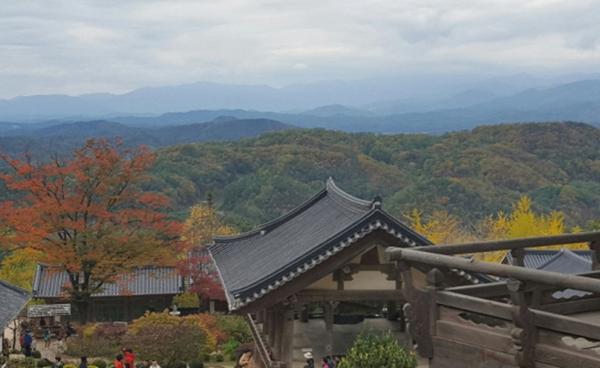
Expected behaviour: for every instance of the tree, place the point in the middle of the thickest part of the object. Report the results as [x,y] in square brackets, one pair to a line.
[199,229]
[18,267]
[88,216]
[523,222]
[440,227]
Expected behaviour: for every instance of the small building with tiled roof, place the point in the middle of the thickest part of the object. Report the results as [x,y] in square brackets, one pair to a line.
[12,300]
[556,260]
[329,251]
[128,297]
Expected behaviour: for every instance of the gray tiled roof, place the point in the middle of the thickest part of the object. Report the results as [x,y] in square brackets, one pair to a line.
[252,264]
[12,300]
[563,260]
[50,282]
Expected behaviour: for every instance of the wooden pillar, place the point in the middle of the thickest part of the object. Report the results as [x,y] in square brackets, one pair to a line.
[260,317]
[287,336]
[524,334]
[304,315]
[595,247]
[266,325]
[328,316]
[277,332]
[518,257]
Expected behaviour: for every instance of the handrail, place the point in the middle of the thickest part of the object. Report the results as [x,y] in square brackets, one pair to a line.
[262,348]
[495,245]
[520,273]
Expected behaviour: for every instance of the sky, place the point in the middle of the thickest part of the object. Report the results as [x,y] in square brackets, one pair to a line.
[74,47]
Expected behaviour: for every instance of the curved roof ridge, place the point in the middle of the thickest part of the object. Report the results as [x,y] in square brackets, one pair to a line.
[552,259]
[330,188]
[270,224]
[572,253]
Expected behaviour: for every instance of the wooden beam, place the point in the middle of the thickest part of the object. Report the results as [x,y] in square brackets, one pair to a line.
[489,246]
[312,295]
[520,273]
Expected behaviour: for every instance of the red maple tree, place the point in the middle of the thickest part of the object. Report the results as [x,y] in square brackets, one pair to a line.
[89,216]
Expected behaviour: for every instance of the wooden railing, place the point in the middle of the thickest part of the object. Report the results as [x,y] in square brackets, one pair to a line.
[515,322]
[261,346]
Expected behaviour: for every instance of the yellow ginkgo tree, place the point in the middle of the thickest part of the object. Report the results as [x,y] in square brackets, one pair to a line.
[523,222]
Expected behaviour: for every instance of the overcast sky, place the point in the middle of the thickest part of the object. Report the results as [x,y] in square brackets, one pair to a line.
[67,46]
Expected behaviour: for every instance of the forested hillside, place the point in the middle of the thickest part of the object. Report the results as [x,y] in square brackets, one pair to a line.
[469,174]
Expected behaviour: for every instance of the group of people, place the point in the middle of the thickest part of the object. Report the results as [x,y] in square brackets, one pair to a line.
[330,361]
[327,362]
[125,359]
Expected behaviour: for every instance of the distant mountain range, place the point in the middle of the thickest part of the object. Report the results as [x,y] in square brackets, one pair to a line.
[440,112]
[41,140]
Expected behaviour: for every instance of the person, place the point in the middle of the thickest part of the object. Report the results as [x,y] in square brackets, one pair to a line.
[84,362]
[119,361]
[310,361]
[129,358]
[153,364]
[27,343]
[47,337]
[325,363]
[243,359]
[57,363]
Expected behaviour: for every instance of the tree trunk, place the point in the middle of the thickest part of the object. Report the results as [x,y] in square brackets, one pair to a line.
[83,309]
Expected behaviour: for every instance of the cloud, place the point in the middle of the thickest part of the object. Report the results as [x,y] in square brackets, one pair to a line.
[62,46]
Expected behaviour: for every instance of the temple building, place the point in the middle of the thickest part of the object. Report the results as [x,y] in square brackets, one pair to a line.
[127,298]
[315,277]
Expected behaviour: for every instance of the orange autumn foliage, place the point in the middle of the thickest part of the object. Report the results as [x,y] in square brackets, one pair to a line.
[87,215]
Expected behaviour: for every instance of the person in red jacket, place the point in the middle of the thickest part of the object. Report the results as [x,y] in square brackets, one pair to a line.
[119,361]
[129,358]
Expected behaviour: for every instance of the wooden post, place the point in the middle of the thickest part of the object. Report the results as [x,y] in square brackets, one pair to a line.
[595,247]
[287,336]
[518,257]
[269,327]
[277,332]
[328,316]
[524,334]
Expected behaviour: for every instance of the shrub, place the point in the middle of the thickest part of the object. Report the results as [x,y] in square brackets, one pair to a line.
[235,327]
[206,357]
[177,364]
[230,347]
[99,363]
[196,364]
[99,340]
[111,331]
[219,358]
[69,366]
[28,362]
[43,363]
[378,350]
[187,300]
[36,354]
[92,346]
[166,338]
